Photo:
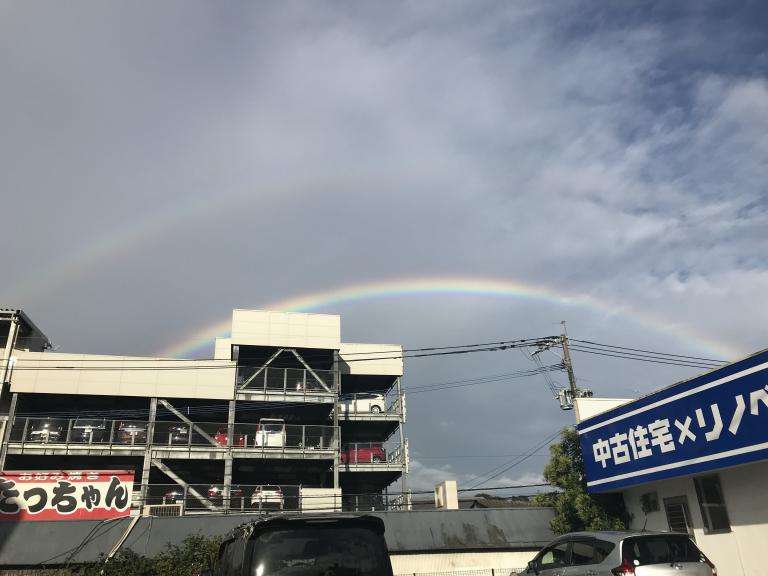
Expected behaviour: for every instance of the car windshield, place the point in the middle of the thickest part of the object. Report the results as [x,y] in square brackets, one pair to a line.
[320,551]
[660,549]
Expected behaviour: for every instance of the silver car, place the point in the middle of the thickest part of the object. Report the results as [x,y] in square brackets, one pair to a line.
[621,553]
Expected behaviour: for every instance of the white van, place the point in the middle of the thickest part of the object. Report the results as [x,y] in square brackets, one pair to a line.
[270,433]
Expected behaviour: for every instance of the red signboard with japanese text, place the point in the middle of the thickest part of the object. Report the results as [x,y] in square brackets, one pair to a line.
[65,494]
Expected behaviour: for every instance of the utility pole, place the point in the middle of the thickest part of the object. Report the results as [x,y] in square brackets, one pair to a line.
[567,361]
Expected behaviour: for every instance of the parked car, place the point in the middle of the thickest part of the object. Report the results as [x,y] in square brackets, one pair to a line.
[306,545]
[622,553]
[364,453]
[216,495]
[222,438]
[176,434]
[267,498]
[270,433]
[45,431]
[132,432]
[366,402]
[173,497]
[89,430]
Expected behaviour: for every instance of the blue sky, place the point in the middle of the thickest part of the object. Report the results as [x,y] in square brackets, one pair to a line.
[162,164]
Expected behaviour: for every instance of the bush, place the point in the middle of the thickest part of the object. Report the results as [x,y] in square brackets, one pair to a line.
[194,554]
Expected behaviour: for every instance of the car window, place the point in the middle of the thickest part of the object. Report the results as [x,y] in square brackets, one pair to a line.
[318,552]
[555,556]
[661,549]
[603,549]
[582,552]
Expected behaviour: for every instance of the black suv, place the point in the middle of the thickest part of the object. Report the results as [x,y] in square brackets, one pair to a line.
[306,545]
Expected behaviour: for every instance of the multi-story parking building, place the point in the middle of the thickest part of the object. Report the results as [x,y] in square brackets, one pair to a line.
[284,416]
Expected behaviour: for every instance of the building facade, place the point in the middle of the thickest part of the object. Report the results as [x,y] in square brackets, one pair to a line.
[692,458]
[284,416]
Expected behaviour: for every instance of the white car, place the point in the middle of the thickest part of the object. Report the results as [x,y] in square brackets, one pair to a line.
[267,498]
[270,433]
[365,402]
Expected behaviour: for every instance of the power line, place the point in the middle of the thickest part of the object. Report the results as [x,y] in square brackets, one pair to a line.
[499,470]
[717,361]
[626,356]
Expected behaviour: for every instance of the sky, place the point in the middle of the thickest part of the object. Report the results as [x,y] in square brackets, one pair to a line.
[164,163]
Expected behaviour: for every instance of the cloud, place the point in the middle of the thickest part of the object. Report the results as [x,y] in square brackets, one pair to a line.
[162,166]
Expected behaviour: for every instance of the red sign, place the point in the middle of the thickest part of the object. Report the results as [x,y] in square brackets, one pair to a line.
[65,494]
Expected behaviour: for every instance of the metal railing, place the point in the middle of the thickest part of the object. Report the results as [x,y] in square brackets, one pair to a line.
[248,498]
[264,435]
[365,405]
[371,453]
[296,381]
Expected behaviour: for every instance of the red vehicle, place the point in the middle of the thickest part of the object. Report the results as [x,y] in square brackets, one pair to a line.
[222,439]
[364,453]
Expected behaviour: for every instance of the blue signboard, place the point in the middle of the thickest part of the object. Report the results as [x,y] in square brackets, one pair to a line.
[712,421]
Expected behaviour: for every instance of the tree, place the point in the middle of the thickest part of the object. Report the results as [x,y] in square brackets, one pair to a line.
[575,508]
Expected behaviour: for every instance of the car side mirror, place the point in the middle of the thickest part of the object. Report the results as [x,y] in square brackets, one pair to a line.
[532,567]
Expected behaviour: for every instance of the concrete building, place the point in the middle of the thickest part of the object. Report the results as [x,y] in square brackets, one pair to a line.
[691,457]
[284,416]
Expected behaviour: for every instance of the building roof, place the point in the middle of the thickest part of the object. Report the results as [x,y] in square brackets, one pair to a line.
[28,328]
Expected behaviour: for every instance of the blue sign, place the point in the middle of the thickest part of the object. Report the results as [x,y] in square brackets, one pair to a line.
[712,421]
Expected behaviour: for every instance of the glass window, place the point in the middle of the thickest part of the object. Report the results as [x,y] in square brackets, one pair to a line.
[660,549]
[712,504]
[603,549]
[582,552]
[318,552]
[555,557]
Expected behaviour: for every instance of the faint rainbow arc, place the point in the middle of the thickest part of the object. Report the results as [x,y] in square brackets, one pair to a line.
[449,285]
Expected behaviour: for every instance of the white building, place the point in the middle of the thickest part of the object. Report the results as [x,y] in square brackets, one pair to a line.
[692,457]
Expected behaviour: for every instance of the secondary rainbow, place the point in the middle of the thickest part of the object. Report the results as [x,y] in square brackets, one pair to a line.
[459,285]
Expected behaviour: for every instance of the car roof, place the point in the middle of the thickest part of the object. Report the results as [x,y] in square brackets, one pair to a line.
[617,535]
[296,521]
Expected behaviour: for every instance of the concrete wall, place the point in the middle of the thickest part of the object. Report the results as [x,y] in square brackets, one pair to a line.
[91,374]
[286,329]
[502,562]
[587,407]
[367,359]
[430,531]
[741,551]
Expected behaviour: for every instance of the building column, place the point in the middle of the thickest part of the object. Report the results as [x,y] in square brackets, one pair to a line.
[228,460]
[148,451]
[336,430]
[10,345]
[401,430]
[5,433]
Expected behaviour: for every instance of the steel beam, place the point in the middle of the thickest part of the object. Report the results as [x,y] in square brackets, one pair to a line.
[260,370]
[192,425]
[319,380]
[173,476]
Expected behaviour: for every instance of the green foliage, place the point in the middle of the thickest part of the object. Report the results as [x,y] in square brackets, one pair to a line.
[194,554]
[575,509]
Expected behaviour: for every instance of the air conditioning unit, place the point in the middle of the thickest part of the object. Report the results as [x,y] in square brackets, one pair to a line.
[163,510]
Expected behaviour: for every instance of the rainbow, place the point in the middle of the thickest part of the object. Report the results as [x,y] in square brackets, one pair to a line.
[459,285]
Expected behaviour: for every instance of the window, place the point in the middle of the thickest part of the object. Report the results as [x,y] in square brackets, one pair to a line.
[712,504]
[555,556]
[582,552]
[660,549]
[678,515]
[602,550]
